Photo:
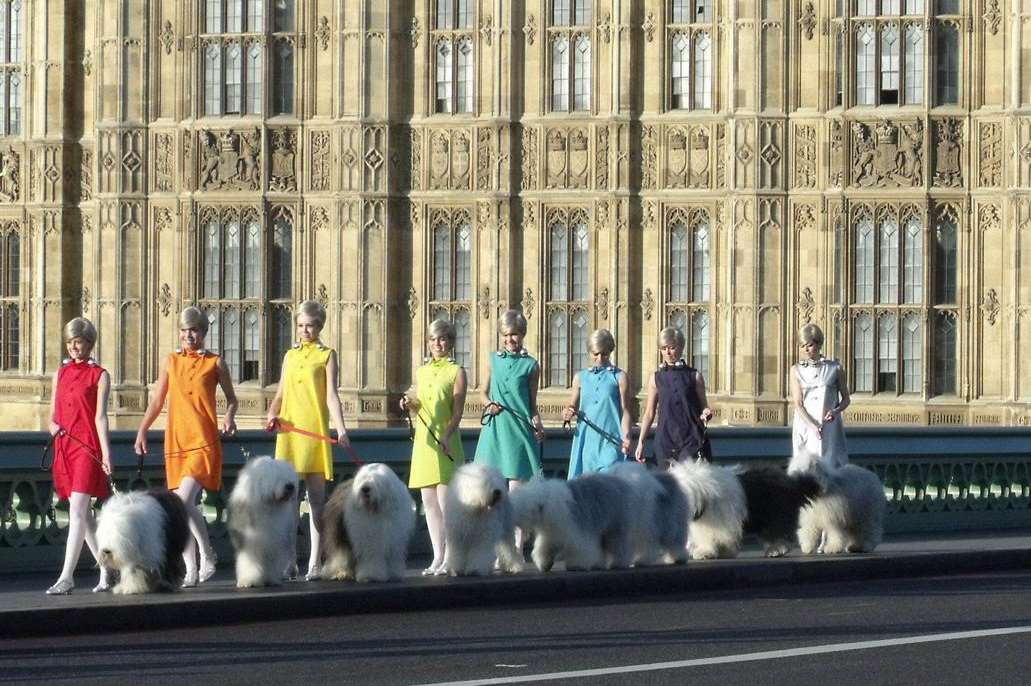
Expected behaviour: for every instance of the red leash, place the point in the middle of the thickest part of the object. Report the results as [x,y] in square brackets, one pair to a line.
[283,425]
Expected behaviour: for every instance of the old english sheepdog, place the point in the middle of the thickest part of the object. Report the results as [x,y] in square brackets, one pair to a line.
[478,525]
[848,514]
[775,499]
[717,508]
[585,521]
[142,536]
[659,510]
[263,522]
[366,527]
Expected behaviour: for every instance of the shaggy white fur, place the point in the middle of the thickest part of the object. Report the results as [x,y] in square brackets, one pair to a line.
[658,525]
[850,512]
[718,508]
[585,521]
[478,523]
[142,535]
[367,524]
[263,522]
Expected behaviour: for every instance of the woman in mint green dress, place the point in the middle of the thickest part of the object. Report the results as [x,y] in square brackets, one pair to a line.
[512,429]
[599,406]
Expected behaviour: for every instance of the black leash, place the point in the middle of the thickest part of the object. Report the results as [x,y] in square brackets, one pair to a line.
[411,432]
[487,418]
[48,452]
[582,417]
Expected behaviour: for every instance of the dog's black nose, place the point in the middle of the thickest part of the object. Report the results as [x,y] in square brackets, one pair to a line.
[495,497]
[365,490]
[288,489]
[106,552]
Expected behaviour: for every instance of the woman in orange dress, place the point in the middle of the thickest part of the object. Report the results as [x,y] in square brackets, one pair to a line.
[307,398]
[193,450]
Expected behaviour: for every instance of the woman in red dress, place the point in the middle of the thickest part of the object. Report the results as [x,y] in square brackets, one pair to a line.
[82,451]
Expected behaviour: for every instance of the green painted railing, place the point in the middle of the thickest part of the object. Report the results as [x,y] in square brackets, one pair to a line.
[934,479]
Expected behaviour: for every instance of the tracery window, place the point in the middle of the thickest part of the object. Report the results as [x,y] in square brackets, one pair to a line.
[233,47]
[452,276]
[10,296]
[11,27]
[570,40]
[246,288]
[568,294]
[690,48]
[688,302]
[454,56]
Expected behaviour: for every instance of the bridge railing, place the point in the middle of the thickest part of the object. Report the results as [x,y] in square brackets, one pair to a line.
[938,480]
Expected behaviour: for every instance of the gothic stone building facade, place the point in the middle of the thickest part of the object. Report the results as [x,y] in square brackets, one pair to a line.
[735,168]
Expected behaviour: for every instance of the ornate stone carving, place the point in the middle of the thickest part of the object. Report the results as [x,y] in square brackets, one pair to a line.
[320,166]
[836,170]
[86,175]
[649,27]
[805,154]
[415,32]
[87,63]
[163,219]
[164,299]
[487,29]
[687,157]
[318,218]
[648,158]
[601,304]
[84,300]
[605,28]
[483,214]
[988,217]
[167,37]
[375,148]
[526,305]
[647,304]
[413,303]
[322,295]
[530,30]
[948,170]
[568,159]
[601,159]
[992,16]
[805,217]
[230,161]
[990,159]
[415,171]
[484,302]
[283,175]
[887,154]
[990,306]
[322,33]
[10,176]
[721,156]
[484,157]
[805,305]
[807,19]
[164,162]
[529,155]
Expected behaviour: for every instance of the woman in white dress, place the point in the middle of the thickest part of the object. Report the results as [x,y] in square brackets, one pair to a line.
[820,395]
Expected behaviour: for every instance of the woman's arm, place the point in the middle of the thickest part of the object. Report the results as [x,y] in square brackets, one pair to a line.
[225,380]
[54,426]
[488,405]
[535,415]
[796,400]
[648,418]
[624,401]
[277,401]
[845,397]
[703,402]
[157,401]
[333,399]
[103,393]
[569,411]
[457,408]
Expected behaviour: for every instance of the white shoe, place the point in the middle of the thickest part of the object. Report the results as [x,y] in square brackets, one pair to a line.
[62,587]
[190,581]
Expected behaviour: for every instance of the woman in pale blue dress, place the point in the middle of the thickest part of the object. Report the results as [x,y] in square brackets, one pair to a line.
[599,406]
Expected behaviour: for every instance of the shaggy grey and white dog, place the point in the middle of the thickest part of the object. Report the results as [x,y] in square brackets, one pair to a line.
[849,512]
[366,527]
[659,507]
[478,526]
[142,535]
[718,508]
[585,521]
[263,522]
[775,499]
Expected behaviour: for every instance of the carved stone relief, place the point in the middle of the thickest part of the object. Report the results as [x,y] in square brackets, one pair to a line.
[529,155]
[649,158]
[282,172]
[771,154]
[568,158]
[601,157]
[805,154]
[230,160]
[807,19]
[321,165]
[10,176]
[836,170]
[887,154]
[990,159]
[484,158]
[948,170]
[805,305]
[721,156]
[375,155]
[687,157]
[164,161]
[351,145]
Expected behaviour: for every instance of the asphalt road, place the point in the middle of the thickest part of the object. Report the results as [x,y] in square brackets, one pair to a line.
[812,635]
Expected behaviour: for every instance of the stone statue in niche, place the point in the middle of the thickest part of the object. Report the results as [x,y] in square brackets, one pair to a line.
[230,161]
[10,186]
[862,165]
[909,157]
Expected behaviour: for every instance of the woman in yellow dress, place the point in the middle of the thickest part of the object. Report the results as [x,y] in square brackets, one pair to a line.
[437,400]
[307,398]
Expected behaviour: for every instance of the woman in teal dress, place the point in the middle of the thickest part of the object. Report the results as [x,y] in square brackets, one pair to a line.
[512,428]
[599,404]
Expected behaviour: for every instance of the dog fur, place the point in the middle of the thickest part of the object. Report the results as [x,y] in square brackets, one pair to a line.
[849,512]
[366,527]
[478,523]
[263,522]
[718,508]
[142,535]
[658,528]
[775,499]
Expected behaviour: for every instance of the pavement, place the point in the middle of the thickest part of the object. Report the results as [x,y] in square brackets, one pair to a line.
[26,611]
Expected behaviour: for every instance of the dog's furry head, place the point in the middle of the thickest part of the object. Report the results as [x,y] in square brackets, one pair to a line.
[267,481]
[377,487]
[131,531]
[478,486]
[540,500]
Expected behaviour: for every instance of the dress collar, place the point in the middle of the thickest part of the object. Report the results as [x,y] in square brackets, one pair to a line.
[317,343]
[89,361]
[679,364]
[522,352]
[598,369]
[812,363]
[199,352]
[429,360]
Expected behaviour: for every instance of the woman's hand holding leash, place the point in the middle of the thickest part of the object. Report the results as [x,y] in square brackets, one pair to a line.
[141,444]
[493,409]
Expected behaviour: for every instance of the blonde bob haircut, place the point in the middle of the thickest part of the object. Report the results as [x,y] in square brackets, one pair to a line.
[811,333]
[194,318]
[80,327]
[601,342]
[443,328]
[313,309]
[512,321]
[672,336]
